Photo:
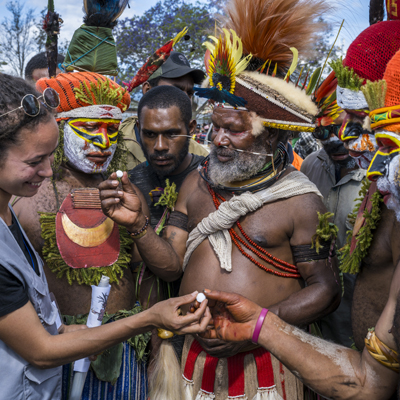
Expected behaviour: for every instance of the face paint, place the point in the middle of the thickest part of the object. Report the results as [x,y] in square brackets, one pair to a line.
[90,144]
[353,125]
[338,154]
[389,147]
[363,149]
[389,185]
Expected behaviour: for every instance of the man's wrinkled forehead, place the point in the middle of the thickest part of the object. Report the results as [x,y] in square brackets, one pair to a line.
[228,116]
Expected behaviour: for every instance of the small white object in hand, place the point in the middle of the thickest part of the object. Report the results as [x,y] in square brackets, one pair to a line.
[120,174]
[200,297]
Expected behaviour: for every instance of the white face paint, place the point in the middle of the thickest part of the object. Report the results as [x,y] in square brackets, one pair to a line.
[84,155]
[389,186]
[363,149]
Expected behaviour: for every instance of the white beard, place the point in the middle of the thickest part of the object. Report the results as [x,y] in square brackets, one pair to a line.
[76,150]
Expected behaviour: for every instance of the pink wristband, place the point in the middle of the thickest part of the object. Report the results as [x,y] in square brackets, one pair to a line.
[259,324]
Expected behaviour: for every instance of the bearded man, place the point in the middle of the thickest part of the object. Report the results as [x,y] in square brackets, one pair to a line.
[331,370]
[248,160]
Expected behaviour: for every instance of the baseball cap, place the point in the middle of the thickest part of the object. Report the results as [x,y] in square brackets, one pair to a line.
[177,65]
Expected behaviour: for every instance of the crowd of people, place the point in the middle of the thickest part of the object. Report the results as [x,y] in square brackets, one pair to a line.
[263,265]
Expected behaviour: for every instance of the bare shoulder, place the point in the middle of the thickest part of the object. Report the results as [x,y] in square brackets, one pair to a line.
[306,207]
[303,210]
[189,188]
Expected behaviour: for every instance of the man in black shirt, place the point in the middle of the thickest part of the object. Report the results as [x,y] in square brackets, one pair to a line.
[165,126]
[165,129]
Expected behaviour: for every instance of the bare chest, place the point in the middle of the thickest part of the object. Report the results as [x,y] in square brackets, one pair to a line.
[268,228]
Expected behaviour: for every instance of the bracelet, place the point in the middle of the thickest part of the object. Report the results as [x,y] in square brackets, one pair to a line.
[141,232]
[259,324]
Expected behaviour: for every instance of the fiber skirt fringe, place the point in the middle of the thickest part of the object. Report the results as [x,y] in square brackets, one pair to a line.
[216,379]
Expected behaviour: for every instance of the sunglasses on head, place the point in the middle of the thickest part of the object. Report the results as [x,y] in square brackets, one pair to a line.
[31,104]
[323,132]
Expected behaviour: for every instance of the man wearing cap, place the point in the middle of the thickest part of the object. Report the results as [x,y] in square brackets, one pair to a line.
[176,71]
[235,224]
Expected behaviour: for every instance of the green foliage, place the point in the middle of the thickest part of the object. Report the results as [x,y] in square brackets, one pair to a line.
[169,197]
[375,93]
[351,263]
[326,231]
[139,37]
[346,77]
[99,94]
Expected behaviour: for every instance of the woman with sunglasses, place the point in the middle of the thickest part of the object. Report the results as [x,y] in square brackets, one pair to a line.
[32,347]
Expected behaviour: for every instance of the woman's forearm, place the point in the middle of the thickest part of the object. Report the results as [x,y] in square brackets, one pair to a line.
[51,351]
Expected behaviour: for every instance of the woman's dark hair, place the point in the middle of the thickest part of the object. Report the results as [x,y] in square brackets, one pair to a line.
[12,90]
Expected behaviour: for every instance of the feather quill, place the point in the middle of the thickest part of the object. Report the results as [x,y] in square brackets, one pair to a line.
[269,28]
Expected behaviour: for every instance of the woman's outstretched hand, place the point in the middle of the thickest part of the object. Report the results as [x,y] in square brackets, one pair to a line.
[233,316]
[167,315]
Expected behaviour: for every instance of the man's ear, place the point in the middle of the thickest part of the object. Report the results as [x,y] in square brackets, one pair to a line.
[145,87]
[192,126]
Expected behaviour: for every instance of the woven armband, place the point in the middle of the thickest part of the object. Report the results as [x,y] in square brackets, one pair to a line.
[382,353]
[304,253]
[178,219]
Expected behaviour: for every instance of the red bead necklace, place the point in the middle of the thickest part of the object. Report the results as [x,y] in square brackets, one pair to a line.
[292,271]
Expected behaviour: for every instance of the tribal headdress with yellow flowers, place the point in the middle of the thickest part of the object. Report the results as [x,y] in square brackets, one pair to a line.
[270,34]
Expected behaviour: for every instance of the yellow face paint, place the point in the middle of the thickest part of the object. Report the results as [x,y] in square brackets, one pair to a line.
[101,132]
[389,147]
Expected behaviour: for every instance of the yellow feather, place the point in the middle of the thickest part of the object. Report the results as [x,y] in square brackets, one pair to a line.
[209,46]
[180,35]
[242,65]
[294,62]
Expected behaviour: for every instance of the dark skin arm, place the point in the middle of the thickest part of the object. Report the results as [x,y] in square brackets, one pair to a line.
[163,257]
[333,371]
[321,296]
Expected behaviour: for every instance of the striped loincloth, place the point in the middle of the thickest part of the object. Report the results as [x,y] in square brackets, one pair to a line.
[131,384]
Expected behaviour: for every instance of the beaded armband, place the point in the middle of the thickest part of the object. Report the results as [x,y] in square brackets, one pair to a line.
[382,353]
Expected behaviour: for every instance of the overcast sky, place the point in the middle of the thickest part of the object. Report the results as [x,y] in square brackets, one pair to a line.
[355,13]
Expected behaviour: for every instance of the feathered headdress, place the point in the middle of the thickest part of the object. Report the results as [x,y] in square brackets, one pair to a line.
[154,62]
[93,48]
[224,64]
[273,32]
[325,99]
[270,28]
